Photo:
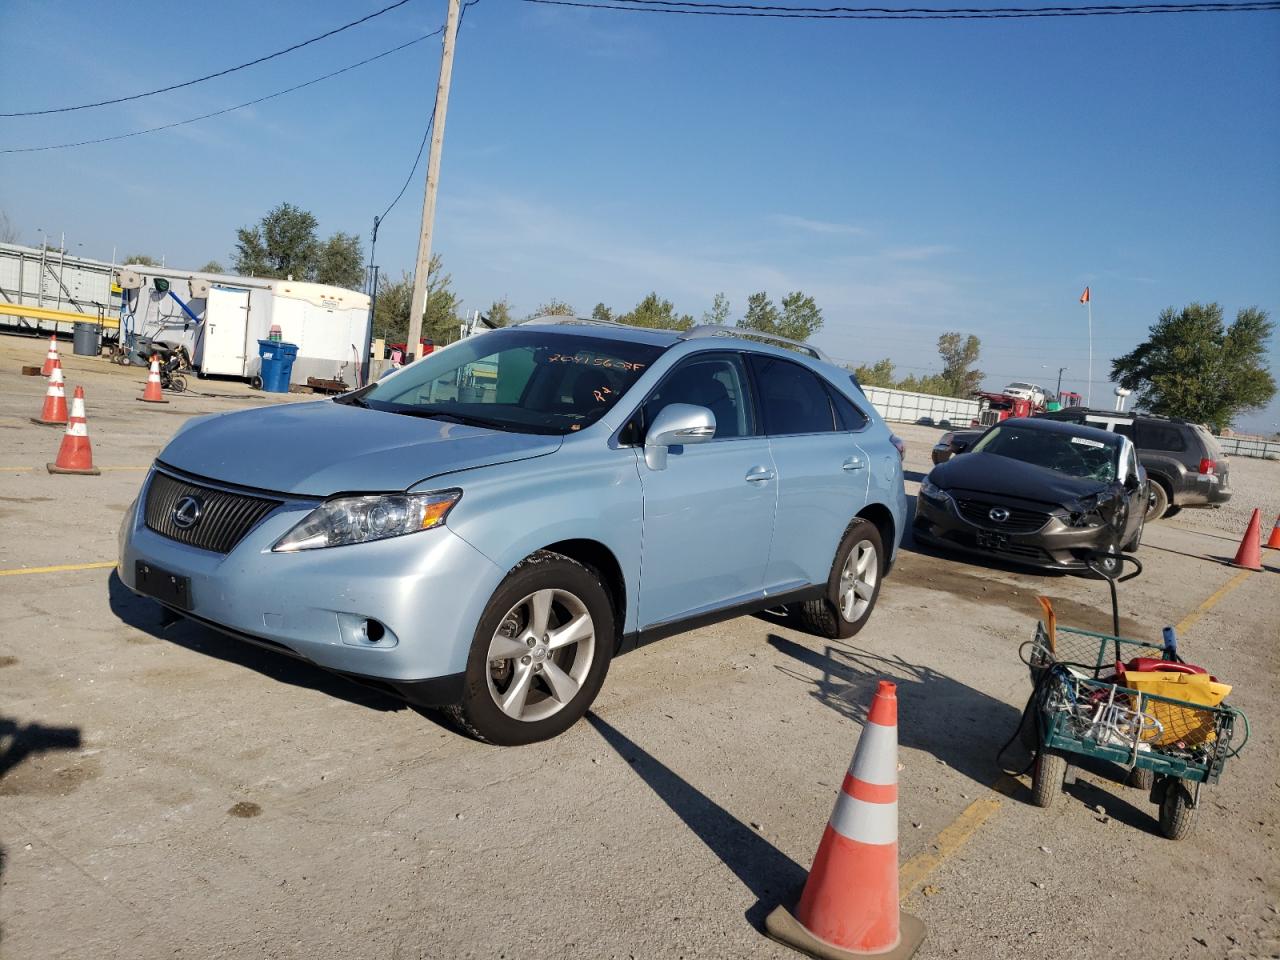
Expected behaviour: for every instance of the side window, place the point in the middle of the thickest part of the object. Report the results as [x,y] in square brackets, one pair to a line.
[848,417]
[717,381]
[1159,436]
[1124,429]
[792,399]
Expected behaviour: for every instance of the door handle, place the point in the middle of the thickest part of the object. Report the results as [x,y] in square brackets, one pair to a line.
[759,475]
[853,463]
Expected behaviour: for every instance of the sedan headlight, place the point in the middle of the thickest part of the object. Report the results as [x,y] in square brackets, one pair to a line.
[347,520]
[933,491]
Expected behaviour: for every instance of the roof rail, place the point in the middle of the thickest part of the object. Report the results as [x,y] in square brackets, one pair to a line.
[560,318]
[715,330]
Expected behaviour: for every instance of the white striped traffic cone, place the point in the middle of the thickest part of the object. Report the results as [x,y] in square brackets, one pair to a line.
[54,411]
[51,358]
[75,454]
[152,393]
[849,907]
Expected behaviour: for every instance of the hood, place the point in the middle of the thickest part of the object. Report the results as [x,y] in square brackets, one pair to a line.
[988,473]
[322,448]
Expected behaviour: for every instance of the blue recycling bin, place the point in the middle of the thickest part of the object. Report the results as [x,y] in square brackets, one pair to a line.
[277,364]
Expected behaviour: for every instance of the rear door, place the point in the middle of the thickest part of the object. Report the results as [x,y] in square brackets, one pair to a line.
[222,344]
[822,471]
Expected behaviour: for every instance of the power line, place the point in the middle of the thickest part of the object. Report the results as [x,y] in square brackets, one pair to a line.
[211,76]
[916,13]
[218,113]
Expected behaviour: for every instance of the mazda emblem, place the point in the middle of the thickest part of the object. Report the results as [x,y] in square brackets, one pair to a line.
[998,514]
[186,513]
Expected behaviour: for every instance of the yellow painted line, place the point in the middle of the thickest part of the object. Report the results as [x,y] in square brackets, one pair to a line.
[104,469]
[1190,619]
[63,568]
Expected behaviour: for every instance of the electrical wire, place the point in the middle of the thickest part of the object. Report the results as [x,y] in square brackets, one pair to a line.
[210,76]
[218,113]
[919,13]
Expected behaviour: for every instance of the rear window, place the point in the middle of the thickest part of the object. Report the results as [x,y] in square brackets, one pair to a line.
[792,398]
[1153,435]
[1210,443]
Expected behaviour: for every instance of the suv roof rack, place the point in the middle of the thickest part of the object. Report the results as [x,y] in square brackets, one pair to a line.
[715,330]
[560,318]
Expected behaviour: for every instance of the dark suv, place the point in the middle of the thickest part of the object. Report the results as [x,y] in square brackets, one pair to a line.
[1184,463]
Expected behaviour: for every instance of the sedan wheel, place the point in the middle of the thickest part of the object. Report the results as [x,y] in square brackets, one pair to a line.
[541,654]
[858,580]
[853,586]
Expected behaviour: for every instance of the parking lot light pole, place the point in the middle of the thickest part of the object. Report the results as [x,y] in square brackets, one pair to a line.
[1059,391]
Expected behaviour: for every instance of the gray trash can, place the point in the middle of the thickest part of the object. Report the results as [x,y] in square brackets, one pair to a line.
[87,340]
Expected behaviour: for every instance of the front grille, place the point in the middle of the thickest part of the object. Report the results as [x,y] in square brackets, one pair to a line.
[978,512]
[224,517]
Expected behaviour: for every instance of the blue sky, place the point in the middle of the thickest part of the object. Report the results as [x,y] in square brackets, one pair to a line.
[914,177]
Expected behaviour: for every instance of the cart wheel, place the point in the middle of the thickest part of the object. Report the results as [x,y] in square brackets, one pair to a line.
[256,383]
[1176,812]
[1142,778]
[177,384]
[1046,776]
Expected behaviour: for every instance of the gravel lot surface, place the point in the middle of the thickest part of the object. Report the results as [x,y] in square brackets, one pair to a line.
[169,792]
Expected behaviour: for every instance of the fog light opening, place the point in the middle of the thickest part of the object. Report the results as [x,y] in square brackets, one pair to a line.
[374,631]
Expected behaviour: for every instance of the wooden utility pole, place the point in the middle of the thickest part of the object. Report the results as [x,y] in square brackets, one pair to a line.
[419,303]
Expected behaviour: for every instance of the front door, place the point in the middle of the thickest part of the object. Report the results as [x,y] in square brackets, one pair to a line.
[226,320]
[708,516]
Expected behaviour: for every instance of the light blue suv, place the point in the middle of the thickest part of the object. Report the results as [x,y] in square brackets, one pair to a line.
[485,529]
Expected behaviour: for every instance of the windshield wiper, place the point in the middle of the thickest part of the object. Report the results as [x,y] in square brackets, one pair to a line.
[449,416]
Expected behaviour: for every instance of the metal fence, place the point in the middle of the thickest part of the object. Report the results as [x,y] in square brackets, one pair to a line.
[903,406]
[1250,447]
[34,277]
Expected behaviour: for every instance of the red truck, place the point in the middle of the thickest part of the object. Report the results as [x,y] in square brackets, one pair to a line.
[994,407]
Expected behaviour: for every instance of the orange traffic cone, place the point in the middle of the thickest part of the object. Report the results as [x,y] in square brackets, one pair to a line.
[54,413]
[51,358]
[1273,542]
[152,392]
[1249,556]
[849,907]
[75,455]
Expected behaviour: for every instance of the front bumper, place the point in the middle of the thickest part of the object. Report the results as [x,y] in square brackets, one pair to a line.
[1055,546]
[427,590]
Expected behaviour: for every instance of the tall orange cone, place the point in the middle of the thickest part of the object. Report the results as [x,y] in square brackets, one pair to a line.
[152,394]
[849,907]
[1273,542]
[75,455]
[54,412]
[1249,556]
[51,358]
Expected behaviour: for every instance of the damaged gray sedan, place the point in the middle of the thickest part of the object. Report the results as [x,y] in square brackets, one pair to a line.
[1038,492]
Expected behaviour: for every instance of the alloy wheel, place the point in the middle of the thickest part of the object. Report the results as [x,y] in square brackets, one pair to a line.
[858,580]
[540,654]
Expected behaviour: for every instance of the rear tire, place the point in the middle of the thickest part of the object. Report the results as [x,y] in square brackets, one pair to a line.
[552,685]
[1047,774]
[1142,778]
[852,587]
[1158,505]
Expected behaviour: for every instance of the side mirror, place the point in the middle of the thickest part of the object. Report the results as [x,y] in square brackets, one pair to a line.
[959,446]
[676,425]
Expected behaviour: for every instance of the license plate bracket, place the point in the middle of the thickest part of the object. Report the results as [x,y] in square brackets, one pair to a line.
[170,588]
[991,541]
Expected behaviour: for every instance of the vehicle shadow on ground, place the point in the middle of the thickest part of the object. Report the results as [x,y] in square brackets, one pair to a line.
[770,875]
[915,475]
[20,741]
[152,619]
[960,726]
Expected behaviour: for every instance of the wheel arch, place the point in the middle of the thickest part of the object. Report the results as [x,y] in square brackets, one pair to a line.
[882,517]
[598,557]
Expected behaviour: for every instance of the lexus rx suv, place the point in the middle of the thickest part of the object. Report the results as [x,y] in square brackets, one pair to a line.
[484,529]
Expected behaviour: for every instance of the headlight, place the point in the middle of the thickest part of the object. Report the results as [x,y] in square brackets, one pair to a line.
[362,519]
[932,491]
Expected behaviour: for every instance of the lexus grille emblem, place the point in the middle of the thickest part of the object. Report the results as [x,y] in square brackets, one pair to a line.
[998,514]
[186,513]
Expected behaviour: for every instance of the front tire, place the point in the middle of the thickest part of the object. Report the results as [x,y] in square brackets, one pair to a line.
[540,652]
[1047,774]
[1177,815]
[852,588]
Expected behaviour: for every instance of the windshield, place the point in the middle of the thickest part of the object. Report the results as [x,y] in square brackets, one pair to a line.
[1074,456]
[525,381]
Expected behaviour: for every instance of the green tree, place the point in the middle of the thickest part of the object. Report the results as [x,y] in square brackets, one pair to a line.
[499,313]
[601,312]
[395,299]
[719,312]
[339,262]
[878,374]
[213,266]
[142,259]
[655,312]
[959,354]
[799,319]
[283,244]
[553,308]
[1195,367]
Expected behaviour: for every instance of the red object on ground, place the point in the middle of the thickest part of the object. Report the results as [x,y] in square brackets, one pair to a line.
[1273,542]
[75,455]
[850,900]
[152,392]
[1249,556]
[51,358]
[54,412]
